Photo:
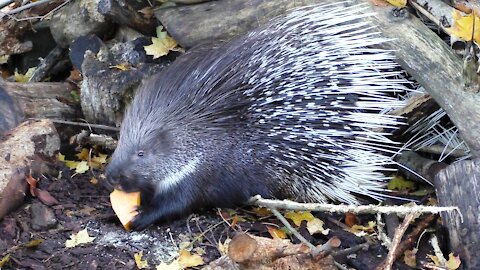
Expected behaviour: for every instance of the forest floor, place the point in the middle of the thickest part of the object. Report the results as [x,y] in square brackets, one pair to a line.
[35,235]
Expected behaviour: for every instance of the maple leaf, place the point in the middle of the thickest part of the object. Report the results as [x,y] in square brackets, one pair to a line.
[81,237]
[161,44]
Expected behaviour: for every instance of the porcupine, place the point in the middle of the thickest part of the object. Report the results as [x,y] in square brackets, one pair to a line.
[294,109]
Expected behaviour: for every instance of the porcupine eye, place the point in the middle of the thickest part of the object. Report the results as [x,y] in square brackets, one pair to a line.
[140,153]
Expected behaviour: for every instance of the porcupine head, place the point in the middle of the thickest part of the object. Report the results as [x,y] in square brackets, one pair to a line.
[294,109]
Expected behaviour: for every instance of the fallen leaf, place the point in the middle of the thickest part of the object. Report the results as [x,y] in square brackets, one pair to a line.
[464,25]
[188,260]
[161,44]
[75,75]
[81,237]
[23,78]
[410,257]
[94,180]
[400,183]
[82,167]
[398,3]
[298,216]
[276,233]
[83,155]
[87,210]
[171,266]
[141,264]
[98,161]
[4,59]
[122,67]
[350,219]
[223,248]
[32,183]
[360,230]
[45,197]
[315,226]
[262,211]
[34,243]
[4,260]
[453,262]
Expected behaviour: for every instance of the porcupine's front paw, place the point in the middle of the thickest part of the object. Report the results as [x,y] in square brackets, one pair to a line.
[144,219]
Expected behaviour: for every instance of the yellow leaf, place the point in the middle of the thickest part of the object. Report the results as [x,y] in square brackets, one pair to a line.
[71,164]
[463,26]
[101,158]
[434,259]
[315,226]
[453,262]
[172,266]
[360,230]
[4,260]
[298,216]
[83,155]
[82,167]
[121,67]
[23,78]
[4,59]
[398,3]
[94,180]
[60,157]
[223,248]
[410,258]
[34,243]
[262,211]
[188,260]
[161,44]
[276,233]
[399,183]
[141,264]
[98,161]
[81,237]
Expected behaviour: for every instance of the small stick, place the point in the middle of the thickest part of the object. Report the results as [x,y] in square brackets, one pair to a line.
[387,265]
[400,210]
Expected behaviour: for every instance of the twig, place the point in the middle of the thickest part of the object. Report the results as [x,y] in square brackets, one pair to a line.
[293,231]
[412,237]
[382,235]
[85,125]
[387,265]
[436,249]
[351,250]
[400,210]
[27,6]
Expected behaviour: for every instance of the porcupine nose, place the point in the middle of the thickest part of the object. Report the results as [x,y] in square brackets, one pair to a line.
[113,174]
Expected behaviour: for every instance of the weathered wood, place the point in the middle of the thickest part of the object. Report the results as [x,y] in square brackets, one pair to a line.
[43,100]
[120,12]
[436,67]
[46,64]
[459,185]
[105,90]
[11,33]
[76,19]
[221,20]
[10,112]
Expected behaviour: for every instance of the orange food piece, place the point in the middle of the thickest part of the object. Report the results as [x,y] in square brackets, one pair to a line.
[124,205]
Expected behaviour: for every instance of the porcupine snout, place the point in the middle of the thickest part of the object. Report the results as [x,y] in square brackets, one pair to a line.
[119,178]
